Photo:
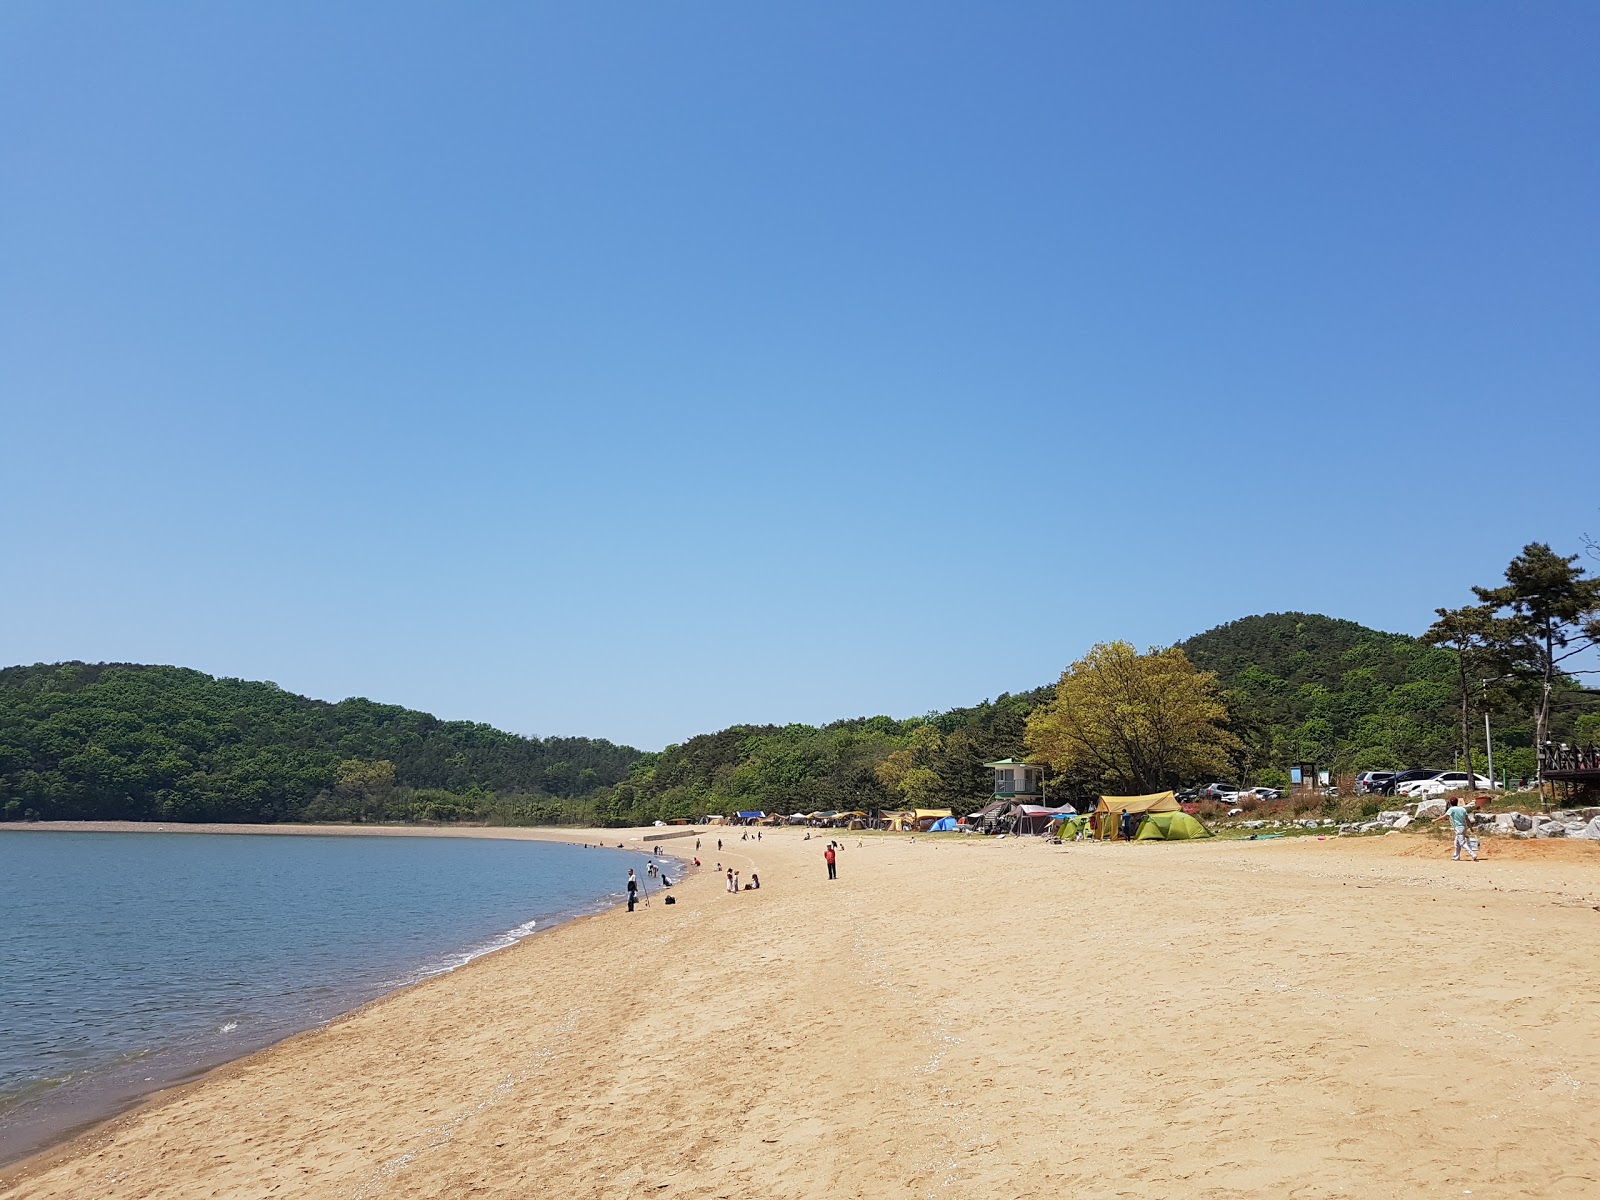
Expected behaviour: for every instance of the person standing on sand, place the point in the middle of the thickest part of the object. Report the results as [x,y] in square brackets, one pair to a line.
[1457,813]
[830,858]
[633,891]
[730,879]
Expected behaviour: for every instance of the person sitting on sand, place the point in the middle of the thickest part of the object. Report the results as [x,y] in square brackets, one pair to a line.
[755,882]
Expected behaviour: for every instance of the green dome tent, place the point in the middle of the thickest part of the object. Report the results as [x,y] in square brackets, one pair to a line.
[1171,827]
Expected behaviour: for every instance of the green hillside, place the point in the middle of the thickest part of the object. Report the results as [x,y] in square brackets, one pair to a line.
[1309,687]
[117,740]
[104,741]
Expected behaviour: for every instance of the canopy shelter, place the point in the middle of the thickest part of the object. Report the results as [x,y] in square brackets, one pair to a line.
[985,819]
[1172,827]
[1034,818]
[927,816]
[750,816]
[1108,813]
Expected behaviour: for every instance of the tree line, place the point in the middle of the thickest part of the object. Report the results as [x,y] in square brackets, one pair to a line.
[81,741]
[1241,702]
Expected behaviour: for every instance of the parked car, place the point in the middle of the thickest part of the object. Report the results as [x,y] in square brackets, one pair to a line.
[1263,793]
[1372,781]
[1220,791]
[1392,785]
[1187,795]
[1444,781]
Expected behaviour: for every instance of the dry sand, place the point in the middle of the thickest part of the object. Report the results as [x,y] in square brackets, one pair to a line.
[951,1019]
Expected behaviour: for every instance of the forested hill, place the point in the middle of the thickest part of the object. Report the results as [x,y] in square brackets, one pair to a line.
[163,743]
[1309,687]
[116,740]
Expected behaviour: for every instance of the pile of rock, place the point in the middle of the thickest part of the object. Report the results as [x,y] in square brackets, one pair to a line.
[1568,822]
[1400,818]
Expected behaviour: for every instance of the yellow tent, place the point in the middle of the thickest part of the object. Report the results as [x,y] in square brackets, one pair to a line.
[1108,813]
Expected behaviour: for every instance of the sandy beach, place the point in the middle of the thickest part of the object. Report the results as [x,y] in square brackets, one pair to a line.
[950,1018]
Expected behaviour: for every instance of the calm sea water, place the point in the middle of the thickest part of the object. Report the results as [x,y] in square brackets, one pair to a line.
[129,961]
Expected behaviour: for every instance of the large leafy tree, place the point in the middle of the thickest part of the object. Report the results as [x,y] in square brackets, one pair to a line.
[1548,614]
[1126,721]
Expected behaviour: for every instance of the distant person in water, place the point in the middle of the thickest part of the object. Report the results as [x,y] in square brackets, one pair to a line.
[830,858]
[633,891]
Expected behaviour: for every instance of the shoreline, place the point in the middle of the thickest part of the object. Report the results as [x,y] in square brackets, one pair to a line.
[1268,1018]
[113,1094]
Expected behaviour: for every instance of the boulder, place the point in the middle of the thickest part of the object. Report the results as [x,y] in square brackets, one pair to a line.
[1402,823]
[1591,830]
[1551,829]
[1389,817]
[1521,822]
[1432,807]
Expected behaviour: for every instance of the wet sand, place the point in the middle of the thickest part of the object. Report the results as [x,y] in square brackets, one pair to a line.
[951,1017]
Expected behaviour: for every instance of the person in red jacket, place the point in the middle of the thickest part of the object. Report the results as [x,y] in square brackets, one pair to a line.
[829,858]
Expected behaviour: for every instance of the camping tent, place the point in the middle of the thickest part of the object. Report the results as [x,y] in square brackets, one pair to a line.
[1034,818]
[749,816]
[1172,827]
[943,825]
[925,817]
[1108,813]
[1067,828]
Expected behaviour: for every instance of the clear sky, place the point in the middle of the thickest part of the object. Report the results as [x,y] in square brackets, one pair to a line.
[633,370]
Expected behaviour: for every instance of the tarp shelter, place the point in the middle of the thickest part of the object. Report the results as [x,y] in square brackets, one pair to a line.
[1034,818]
[1172,827]
[927,816]
[750,816]
[1108,813]
[984,819]
[943,825]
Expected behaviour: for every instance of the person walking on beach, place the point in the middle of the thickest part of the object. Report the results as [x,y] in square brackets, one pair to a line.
[1457,813]
[633,891]
[830,858]
[719,845]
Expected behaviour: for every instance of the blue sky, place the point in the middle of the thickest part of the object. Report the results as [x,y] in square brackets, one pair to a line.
[633,370]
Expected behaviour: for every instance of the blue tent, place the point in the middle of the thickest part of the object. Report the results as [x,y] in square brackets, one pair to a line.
[943,825]
[750,816]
